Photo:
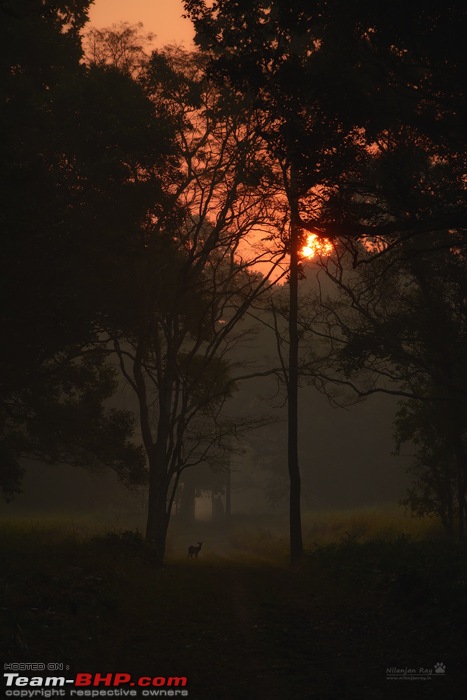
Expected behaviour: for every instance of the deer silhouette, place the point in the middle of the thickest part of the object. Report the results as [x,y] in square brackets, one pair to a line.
[194,549]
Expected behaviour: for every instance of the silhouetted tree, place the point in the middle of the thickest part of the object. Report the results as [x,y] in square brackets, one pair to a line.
[424,426]
[346,90]
[122,46]
[79,141]
[183,287]
[397,324]
[254,47]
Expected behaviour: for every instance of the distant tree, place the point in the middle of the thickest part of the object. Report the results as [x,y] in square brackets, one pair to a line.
[206,480]
[424,426]
[397,324]
[122,46]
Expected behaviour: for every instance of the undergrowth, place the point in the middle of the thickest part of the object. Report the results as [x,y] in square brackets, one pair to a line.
[239,622]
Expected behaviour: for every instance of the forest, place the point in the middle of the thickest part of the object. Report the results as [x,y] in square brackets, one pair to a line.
[226,272]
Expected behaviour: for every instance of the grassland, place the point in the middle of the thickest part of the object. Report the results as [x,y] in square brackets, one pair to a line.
[375,592]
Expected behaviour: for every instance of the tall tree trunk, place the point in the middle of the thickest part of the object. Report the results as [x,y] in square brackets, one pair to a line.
[228,493]
[461,467]
[460,503]
[456,424]
[218,511]
[296,543]
[188,500]
[450,511]
[159,480]
[158,518]
[213,505]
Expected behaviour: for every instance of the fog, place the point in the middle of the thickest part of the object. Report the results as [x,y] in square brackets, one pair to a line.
[345,458]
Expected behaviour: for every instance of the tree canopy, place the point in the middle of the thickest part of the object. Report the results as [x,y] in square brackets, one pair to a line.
[81,169]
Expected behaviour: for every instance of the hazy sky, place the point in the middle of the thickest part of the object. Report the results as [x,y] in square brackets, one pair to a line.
[162,17]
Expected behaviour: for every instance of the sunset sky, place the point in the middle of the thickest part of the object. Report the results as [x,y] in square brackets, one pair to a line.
[162,17]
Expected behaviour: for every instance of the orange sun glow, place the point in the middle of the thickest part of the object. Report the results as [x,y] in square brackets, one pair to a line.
[315,245]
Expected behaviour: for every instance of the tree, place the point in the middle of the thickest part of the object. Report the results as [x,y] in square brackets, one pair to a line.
[40,52]
[441,335]
[69,198]
[265,52]
[121,46]
[182,287]
[368,75]
[424,425]
[347,90]
[40,49]
[397,324]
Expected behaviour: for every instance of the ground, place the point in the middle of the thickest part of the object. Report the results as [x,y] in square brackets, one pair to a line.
[345,623]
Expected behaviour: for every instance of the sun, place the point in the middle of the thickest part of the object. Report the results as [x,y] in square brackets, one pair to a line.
[315,245]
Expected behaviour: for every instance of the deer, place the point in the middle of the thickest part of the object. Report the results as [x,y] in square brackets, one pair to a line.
[194,549]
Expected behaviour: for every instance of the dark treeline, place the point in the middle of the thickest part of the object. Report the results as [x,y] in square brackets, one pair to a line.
[155,205]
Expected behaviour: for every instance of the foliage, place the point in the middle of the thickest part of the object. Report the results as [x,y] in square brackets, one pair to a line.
[253,50]
[76,182]
[425,425]
[396,323]
[181,286]
[70,423]
[122,46]
[366,112]
[360,89]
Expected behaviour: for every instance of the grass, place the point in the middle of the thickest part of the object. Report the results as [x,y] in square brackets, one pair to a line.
[239,622]
[268,539]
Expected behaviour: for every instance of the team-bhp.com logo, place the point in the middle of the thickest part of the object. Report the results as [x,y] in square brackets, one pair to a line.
[93,685]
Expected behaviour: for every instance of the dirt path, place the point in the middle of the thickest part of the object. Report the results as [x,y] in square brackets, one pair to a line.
[249,629]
